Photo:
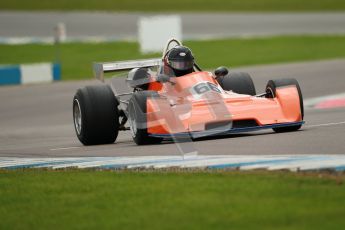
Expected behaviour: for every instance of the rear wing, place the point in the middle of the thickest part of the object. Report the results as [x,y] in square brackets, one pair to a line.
[100,68]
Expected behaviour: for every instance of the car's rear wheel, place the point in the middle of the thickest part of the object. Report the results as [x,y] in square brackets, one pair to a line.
[137,117]
[271,89]
[238,82]
[96,115]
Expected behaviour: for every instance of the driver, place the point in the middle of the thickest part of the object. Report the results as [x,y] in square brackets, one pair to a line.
[180,59]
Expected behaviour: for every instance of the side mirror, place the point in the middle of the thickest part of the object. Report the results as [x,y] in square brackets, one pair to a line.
[163,78]
[221,71]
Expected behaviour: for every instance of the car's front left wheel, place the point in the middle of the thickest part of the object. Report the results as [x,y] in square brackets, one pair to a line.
[96,115]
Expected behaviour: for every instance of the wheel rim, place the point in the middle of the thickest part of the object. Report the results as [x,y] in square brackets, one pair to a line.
[132,123]
[77,116]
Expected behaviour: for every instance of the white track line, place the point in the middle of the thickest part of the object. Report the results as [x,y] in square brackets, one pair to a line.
[65,148]
[326,124]
[307,126]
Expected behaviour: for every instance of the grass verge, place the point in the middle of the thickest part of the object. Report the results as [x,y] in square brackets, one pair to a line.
[39,199]
[176,5]
[77,57]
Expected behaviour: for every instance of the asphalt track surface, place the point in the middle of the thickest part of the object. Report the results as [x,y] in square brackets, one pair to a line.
[36,120]
[120,26]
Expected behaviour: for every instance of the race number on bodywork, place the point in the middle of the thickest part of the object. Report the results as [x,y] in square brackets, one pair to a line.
[201,88]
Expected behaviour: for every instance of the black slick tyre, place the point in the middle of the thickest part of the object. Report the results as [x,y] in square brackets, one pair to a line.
[137,117]
[96,115]
[271,88]
[238,82]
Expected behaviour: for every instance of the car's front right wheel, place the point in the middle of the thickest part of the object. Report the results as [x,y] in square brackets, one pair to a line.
[271,89]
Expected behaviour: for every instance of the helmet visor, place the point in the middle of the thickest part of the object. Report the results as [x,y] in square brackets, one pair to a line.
[182,65]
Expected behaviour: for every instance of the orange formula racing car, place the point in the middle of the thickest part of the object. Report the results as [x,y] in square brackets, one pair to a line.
[172,98]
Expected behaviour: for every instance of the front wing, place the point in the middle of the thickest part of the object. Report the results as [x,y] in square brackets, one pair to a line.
[198,134]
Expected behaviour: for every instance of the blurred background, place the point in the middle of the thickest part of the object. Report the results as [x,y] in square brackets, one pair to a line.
[233,33]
